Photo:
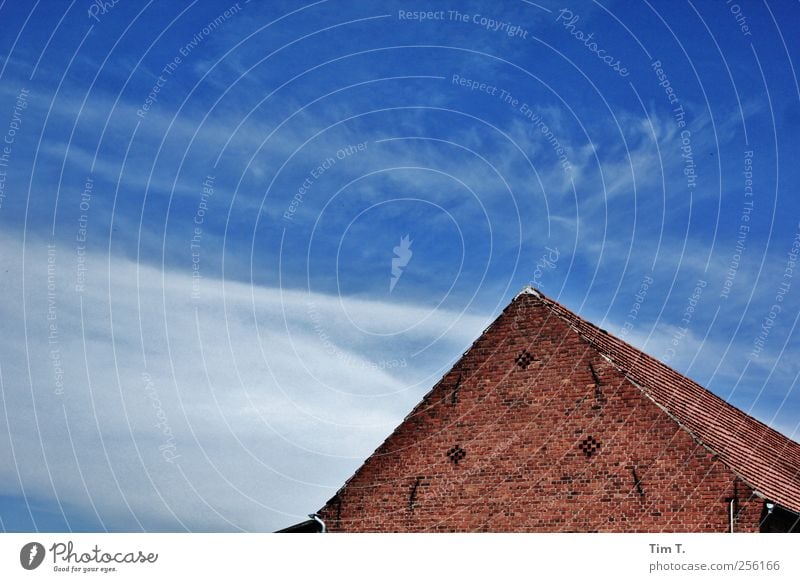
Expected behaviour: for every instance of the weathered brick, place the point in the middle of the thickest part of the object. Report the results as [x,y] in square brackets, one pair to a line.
[545,434]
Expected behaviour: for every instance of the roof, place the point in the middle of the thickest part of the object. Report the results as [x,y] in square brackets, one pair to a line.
[764,458]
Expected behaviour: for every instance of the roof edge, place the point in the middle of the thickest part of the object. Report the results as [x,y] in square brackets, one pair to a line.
[555,308]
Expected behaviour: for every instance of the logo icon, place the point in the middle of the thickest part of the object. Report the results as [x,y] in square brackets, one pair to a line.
[31,555]
[402,257]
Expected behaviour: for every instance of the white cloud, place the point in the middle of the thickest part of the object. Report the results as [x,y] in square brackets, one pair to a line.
[268,406]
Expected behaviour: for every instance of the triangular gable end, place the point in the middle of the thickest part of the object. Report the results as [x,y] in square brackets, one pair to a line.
[548,423]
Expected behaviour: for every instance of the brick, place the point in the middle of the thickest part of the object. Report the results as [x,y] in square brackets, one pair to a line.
[557,434]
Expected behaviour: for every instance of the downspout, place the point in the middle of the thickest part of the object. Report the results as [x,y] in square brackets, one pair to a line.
[315,517]
[731,501]
[732,504]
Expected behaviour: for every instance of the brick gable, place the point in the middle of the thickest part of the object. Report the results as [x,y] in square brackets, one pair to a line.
[537,429]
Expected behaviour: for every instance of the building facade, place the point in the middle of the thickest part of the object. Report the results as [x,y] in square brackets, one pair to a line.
[550,424]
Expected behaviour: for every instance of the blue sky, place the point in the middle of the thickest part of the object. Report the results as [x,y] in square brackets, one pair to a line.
[203,206]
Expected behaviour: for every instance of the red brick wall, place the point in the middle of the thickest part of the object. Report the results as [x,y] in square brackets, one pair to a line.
[523,468]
